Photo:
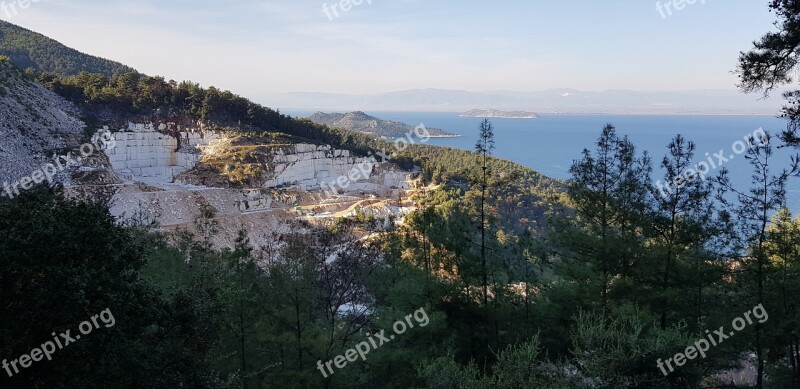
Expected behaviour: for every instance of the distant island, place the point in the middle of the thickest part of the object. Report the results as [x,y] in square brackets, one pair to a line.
[493,113]
[361,122]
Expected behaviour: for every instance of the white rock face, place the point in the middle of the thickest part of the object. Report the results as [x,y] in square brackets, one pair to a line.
[312,167]
[141,151]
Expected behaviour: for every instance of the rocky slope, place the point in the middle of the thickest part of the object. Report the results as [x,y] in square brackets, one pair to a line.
[35,123]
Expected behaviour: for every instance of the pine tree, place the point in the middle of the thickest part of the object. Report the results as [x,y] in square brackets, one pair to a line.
[773,61]
[783,251]
[683,213]
[754,208]
[484,147]
[609,191]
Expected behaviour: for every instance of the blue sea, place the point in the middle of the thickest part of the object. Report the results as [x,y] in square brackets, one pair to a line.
[551,143]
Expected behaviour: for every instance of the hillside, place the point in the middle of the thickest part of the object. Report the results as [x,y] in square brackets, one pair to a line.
[34,123]
[117,100]
[363,123]
[31,50]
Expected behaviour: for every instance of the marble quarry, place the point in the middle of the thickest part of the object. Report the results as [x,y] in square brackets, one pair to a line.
[144,153]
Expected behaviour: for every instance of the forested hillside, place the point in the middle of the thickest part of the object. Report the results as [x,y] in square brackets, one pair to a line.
[117,99]
[31,50]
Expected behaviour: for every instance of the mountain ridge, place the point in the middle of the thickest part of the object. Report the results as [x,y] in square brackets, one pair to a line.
[31,50]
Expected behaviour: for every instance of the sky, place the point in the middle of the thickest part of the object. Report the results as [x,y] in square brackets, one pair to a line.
[256,48]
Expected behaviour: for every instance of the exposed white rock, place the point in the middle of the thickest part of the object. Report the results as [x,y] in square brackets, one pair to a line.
[142,152]
[310,167]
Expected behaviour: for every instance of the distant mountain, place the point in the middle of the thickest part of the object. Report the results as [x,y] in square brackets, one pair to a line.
[493,113]
[554,101]
[28,49]
[361,122]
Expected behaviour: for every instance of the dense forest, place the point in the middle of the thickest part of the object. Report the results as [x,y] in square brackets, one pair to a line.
[612,283]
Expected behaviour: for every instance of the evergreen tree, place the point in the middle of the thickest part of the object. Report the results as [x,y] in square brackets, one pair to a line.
[608,191]
[484,147]
[772,62]
[783,250]
[754,208]
[682,227]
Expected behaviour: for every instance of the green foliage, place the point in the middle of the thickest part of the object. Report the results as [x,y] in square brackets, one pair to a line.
[773,61]
[518,367]
[524,366]
[608,189]
[30,50]
[63,261]
[782,269]
[620,350]
[118,98]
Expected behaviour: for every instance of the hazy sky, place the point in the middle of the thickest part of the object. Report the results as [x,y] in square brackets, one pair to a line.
[259,47]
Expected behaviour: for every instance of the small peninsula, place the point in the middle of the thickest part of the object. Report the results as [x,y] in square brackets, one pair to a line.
[361,122]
